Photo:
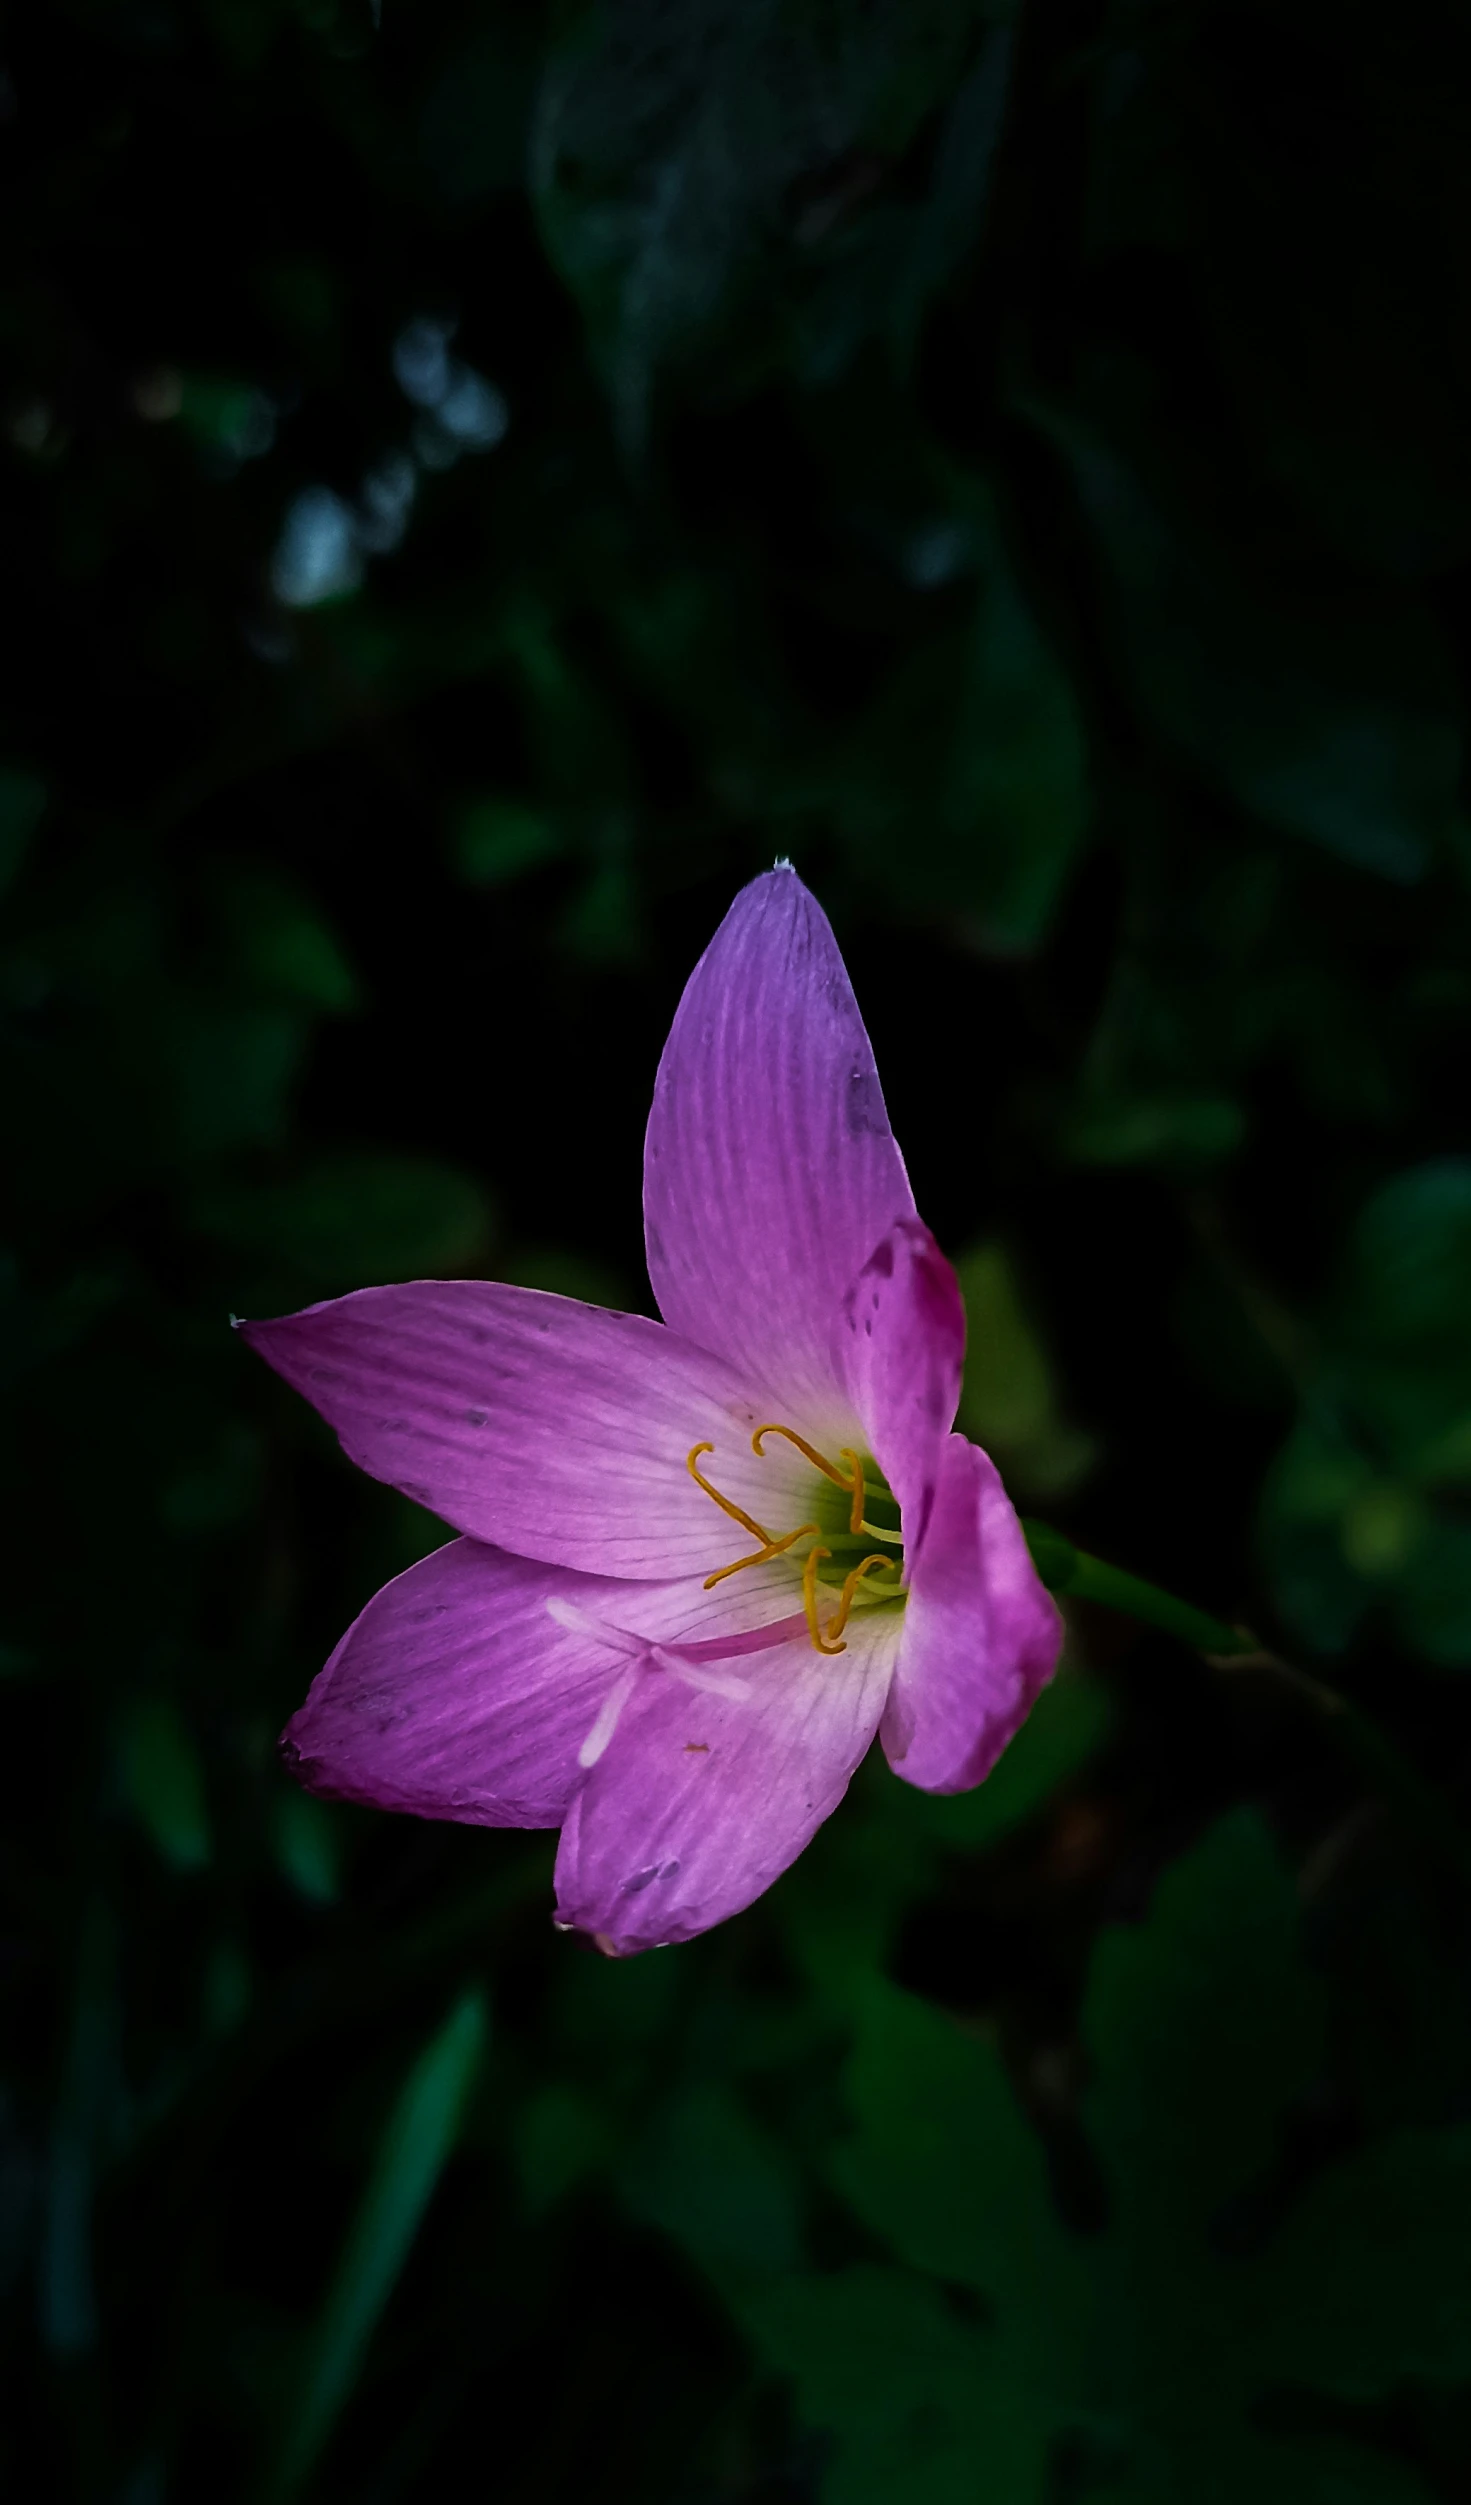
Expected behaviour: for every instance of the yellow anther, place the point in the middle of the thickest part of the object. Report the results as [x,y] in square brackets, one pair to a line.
[851,1486]
[769,1547]
[829,1640]
[773,1548]
[809,1601]
[744,1519]
[839,1618]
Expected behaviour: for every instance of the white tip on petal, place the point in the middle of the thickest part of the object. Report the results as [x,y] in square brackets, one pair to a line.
[607,1722]
[782,862]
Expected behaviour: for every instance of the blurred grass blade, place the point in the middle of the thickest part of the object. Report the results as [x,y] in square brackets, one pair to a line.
[415,2146]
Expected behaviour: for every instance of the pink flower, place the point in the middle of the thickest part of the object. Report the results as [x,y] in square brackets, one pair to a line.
[703,1560]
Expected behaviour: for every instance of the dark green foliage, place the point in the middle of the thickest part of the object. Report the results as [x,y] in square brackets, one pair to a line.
[479,482]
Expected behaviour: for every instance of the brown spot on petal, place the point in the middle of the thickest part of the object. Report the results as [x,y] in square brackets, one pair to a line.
[697,1748]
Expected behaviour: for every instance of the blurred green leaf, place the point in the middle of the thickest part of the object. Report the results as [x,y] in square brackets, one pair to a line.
[1332,719]
[562,2137]
[281,942]
[1367,2286]
[693,186]
[1150,2344]
[416,2146]
[495,841]
[706,2175]
[916,2400]
[1364,1503]
[355,1218]
[849,1892]
[1203,2026]
[164,1781]
[307,1845]
[1009,1403]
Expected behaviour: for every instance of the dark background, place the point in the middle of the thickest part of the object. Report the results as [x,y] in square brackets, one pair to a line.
[480,482]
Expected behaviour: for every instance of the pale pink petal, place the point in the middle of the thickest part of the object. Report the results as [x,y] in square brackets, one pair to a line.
[901,1347]
[701,1801]
[540,1425]
[456,1695]
[770,1171]
[473,1686]
[981,1636]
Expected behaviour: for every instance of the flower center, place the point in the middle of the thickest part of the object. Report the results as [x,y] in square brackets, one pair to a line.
[866,1491]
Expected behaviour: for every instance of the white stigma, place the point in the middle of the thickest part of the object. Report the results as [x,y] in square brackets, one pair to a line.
[639,1653]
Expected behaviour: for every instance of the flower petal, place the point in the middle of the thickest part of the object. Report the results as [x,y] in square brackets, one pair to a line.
[537,1424]
[981,1636]
[701,1801]
[901,1346]
[471,1687]
[456,1695]
[770,1171]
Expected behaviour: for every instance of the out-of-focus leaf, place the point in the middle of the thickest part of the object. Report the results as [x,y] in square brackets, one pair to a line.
[1331,720]
[496,841]
[602,923]
[1366,2286]
[1364,1504]
[848,1894]
[962,785]
[694,176]
[416,2145]
[1008,1403]
[356,1218]
[718,2185]
[1203,2026]
[1148,2347]
[281,942]
[921,2091]
[562,2137]
[164,1782]
[307,1845]
[917,2400]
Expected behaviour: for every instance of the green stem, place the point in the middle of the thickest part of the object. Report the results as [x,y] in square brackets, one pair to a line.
[1374,1756]
[1064,1568]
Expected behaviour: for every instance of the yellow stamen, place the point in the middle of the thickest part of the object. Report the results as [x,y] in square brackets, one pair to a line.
[850,1486]
[827,1640]
[773,1548]
[769,1547]
[839,1618]
[809,1601]
[744,1519]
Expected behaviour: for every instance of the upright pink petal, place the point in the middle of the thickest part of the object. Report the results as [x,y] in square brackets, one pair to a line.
[901,1347]
[770,1171]
[538,1424]
[981,1636]
[471,1687]
[702,1801]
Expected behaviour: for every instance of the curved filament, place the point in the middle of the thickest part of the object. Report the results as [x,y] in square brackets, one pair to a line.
[851,1486]
[745,1520]
[809,1601]
[839,1618]
[773,1548]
